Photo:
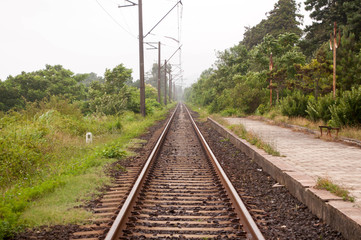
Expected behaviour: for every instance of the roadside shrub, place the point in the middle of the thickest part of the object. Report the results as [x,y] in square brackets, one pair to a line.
[115,125]
[221,102]
[113,151]
[348,111]
[250,92]
[151,105]
[320,109]
[262,109]
[22,149]
[294,105]
[229,112]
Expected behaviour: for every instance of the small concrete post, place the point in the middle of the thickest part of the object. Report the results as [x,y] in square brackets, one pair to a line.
[89,137]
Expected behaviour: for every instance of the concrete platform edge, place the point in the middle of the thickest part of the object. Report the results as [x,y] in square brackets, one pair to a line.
[341,215]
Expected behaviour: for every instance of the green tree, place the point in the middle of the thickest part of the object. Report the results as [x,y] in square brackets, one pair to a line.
[325,13]
[112,96]
[278,78]
[35,86]
[89,78]
[152,77]
[348,61]
[115,79]
[283,18]
[60,81]
[10,97]
[315,76]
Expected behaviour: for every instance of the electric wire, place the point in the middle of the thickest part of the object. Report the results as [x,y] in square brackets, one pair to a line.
[126,22]
[114,20]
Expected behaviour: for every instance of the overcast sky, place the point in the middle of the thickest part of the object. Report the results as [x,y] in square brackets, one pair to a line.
[92,35]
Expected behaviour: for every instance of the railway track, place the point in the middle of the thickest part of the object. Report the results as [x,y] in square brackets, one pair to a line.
[182,193]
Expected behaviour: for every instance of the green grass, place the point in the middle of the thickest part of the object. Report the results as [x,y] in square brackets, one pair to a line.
[203,113]
[225,140]
[43,163]
[253,139]
[58,206]
[327,184]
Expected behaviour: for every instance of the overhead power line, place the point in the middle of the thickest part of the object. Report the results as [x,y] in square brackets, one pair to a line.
[179,2]
[114,20]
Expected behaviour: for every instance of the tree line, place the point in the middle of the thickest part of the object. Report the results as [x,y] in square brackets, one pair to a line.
[110,95]
[295,64]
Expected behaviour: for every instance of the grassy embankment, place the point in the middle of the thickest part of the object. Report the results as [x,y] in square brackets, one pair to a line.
[47,169]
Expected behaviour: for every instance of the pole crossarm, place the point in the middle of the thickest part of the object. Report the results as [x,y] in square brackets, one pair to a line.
[172,39]
[174,53]
[132,4]
[152,47]
[179,2]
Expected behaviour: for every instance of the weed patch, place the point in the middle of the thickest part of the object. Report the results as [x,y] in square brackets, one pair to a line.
[203,113]
[253,139]
[327,184]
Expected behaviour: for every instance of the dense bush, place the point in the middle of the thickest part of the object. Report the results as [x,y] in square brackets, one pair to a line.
[294,105]
[113,151]
[348,111]
[262,109]
[44,144]
[320,109]
[28,137]
[230,112]
[151,105]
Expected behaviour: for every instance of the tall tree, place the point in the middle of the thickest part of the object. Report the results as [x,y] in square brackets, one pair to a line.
[89,78]
[152,77]
[325,13]
[34,86]
[284,17]
[112,96]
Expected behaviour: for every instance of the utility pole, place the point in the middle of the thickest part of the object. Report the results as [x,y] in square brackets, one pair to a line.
[334,44]
[174,92]
[270,83]
[141,53]
[159,66]
[165,82]
[170,86]
[141,59]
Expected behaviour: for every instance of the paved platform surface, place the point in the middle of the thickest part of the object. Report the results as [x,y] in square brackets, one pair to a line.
[312,156]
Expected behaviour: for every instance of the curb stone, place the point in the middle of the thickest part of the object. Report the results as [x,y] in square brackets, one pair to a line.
[340,215]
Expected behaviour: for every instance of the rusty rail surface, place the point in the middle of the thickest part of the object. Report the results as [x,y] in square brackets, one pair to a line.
[125,211]
[228,209]
[237,202]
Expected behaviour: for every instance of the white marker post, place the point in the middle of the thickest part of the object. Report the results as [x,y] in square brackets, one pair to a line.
[89,137]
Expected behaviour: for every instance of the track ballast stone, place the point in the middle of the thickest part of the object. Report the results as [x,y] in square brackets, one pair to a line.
[278,214]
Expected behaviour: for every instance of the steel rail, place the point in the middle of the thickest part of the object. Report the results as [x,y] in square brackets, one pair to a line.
[128,205]
[249,224]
